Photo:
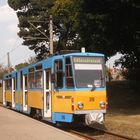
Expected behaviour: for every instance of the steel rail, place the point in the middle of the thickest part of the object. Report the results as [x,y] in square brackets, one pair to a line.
[81,135]
[114,134]
[104,131]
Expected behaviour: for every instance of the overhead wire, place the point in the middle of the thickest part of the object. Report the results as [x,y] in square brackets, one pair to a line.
[3,57]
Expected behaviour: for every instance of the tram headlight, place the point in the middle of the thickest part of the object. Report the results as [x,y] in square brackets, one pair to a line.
[80,105]
[102,104]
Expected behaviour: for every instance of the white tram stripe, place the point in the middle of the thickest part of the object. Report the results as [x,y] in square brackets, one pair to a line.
[88,66]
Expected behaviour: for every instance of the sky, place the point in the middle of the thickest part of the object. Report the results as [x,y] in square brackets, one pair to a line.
[9,40]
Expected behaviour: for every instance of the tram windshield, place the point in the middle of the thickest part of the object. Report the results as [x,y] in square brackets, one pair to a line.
[89,72]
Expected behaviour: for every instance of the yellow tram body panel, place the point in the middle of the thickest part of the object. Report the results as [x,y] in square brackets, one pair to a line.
[62,101]
[35,99]
[8,96]
[91,100]
[16,97]
[21,98]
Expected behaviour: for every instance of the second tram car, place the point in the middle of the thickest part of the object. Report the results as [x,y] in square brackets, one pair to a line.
[62,88]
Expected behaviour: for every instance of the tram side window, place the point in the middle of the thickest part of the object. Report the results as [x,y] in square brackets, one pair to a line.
[15,82]
[21,80]
[26,82]
[35,78]
[38,77]
[68,70]
[31,78]
[58,66]
[8,84]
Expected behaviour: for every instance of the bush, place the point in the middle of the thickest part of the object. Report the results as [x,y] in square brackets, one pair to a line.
[132,74]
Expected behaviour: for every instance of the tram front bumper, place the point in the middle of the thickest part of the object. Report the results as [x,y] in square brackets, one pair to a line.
[92,116]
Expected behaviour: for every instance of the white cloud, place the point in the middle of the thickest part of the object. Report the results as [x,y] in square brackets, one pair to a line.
[8,22]
[9,39]
[7,14]
[111,61]
[13,28]
[3,2]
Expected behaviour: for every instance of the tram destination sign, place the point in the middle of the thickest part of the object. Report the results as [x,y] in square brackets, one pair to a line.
[88,60]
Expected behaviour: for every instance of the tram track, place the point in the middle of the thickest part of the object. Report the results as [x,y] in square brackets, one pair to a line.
[81,135]
[114,134]
[90,133]
[102,135]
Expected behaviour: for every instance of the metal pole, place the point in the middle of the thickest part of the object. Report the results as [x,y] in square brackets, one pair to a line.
[8,59]
[51,35]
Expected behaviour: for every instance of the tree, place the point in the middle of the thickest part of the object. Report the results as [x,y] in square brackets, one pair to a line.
[65,13]
[4,70]
[28,10]
[31,60]
[21,65]
[112,27]
[107,26]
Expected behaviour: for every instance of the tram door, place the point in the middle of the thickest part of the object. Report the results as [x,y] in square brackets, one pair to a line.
[13,91]
[4,98]
[25,92]
[47,94]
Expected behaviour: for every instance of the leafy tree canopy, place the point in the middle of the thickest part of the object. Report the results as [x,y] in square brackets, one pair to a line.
[31,60]
[107,26]
[21,65]
[4,70]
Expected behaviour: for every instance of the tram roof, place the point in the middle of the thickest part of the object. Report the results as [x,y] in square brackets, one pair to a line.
[51,58]
[59,56]
[84,54]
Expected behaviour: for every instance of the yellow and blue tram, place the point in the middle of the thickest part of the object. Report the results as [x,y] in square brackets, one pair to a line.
[61,88]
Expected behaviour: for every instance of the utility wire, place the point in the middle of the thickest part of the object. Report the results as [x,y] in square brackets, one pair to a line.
[7,52]
[1,58]
[38,29]
[15,48]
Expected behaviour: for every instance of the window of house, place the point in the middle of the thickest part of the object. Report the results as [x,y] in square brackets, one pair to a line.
[68,71]
[58,67]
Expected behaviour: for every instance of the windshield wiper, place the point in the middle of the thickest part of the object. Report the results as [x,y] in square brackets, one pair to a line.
[93,87]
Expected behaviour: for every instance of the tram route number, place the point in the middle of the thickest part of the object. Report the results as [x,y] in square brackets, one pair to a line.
[91,99]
